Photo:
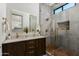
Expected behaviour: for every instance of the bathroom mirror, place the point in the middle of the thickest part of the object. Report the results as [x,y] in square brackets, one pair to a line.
[17,22]
[32,23]
[23,22]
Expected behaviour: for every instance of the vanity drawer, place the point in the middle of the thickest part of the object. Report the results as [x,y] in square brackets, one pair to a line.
[30,47]
[30,42]
[30,53]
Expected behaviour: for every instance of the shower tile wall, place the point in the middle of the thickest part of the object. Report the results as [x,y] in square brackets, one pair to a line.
[69,39]
[74,27]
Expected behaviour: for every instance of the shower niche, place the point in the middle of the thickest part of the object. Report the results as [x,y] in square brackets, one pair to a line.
[64,25]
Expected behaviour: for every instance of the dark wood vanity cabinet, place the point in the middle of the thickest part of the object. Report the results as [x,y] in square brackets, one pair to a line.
[35,47]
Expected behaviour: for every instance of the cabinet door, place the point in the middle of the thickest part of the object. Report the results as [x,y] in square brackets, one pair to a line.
[40,47]
[13,49]
[10,49]
[30,48]
[19,48]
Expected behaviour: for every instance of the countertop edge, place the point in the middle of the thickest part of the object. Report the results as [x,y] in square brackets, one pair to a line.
[25,39]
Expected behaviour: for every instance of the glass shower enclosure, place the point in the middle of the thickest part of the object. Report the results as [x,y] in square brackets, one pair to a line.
[65,36]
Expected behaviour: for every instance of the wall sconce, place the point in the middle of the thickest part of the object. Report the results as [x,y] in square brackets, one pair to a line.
[4,24]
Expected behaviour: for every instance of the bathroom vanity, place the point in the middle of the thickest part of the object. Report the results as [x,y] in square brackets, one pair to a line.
[30,46]
[24,36]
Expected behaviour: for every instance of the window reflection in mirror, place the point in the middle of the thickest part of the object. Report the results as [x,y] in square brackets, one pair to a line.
[17,22]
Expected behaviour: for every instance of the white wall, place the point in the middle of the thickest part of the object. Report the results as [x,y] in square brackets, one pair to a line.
[2,10]
[31,8]
[45,13]
[2,14]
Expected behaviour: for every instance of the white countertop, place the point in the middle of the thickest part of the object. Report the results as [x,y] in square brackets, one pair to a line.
[22,39]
